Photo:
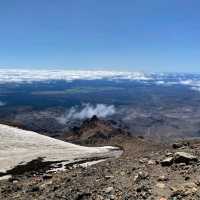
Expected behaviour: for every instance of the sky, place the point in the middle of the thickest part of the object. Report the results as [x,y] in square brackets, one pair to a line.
[130,35]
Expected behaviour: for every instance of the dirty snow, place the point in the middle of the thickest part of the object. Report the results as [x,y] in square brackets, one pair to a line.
[19,147]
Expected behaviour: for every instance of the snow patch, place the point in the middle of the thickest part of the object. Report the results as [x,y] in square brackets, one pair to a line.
[20,147]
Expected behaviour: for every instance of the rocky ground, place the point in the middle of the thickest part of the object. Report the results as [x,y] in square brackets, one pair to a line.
[147,169]
[144,171]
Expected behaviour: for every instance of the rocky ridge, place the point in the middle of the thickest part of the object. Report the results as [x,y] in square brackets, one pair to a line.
[95,131]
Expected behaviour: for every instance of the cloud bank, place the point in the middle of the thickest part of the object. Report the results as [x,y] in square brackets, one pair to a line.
[87,111]
[28,76]
[165,79]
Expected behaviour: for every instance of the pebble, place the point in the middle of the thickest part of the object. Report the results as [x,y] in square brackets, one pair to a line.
[47,176]
[108,190]
[160,185]
[112,197]
[162,178]
[109,177]
[151,162]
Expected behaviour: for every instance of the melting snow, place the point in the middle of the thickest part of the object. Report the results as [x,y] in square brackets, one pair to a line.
[20,147]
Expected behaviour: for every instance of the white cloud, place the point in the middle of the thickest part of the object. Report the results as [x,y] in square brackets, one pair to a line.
[87,111]
[194,84]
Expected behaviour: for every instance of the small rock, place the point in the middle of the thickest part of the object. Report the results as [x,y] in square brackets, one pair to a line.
[108,190]
[162,178]
[6,177]
[15,181]
[134,168]
[141,175]
[167,161]
[151,162]
[47,176]
[109,177]
[112,197]
[142,189]
[169,154]
[179,145]
[83,195]
[143,160]
[160,185]
[187,178]
[182,165]
[122,173]
[197,182]
[46,184]
[128,172]
[185,189]
[99,197]
[35,189]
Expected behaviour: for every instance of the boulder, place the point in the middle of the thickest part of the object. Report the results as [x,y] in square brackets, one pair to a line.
[178,145]
[182,157]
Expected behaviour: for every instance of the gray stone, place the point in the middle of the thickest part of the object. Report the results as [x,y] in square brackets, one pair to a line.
[182,157]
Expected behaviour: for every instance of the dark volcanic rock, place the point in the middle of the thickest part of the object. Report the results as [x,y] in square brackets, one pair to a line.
[178,145]
[93,131]
[179,157]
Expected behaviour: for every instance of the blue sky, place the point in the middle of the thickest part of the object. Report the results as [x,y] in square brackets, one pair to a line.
[131,35]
